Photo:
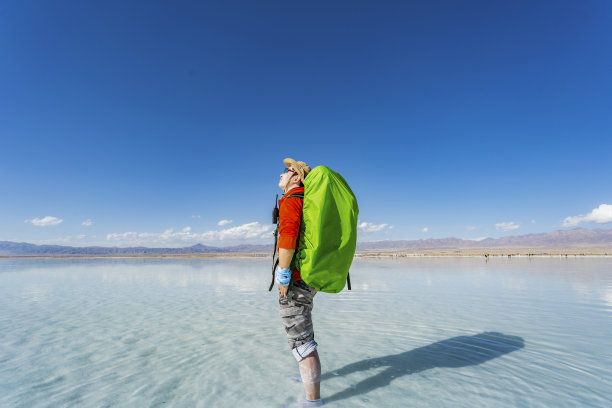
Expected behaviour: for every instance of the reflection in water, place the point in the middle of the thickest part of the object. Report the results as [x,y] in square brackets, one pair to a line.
[607,296]
[455,352]
[206,333]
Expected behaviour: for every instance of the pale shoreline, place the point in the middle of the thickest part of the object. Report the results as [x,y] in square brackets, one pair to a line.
[508,253]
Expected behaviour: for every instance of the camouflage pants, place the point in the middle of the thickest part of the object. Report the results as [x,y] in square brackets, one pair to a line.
[296,315]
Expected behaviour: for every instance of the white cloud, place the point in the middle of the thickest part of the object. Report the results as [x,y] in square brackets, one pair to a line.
[87,223]
[244,231]
[470,228]
[370,227]
[224,222]
[425,229]
[599,215]
[476,239]
[195,216]
[253,231]
[506,226]
[81,236]
[45,222]
[533,221]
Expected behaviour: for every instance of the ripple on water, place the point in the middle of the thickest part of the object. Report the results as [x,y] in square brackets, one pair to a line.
[429,335]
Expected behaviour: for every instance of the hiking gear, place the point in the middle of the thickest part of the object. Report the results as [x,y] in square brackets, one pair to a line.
[301,352]
[274,258]
[328,234]
[275,212]
[283,276]
[300,167]
[298,193]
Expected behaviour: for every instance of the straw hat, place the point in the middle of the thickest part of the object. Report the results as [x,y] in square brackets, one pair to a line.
[300,167]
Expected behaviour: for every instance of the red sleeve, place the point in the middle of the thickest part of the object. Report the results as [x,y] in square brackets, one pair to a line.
[290,216]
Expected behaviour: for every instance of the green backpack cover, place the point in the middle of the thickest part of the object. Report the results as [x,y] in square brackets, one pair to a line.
[328,235]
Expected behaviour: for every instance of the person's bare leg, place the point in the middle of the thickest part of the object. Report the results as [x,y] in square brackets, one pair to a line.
[310,370]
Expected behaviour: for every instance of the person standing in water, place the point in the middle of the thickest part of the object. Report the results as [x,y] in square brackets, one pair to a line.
[296,309]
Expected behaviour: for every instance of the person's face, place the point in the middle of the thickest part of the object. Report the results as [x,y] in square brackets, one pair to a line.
[286,177]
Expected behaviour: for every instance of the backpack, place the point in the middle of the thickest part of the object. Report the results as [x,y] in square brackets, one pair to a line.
[328,233]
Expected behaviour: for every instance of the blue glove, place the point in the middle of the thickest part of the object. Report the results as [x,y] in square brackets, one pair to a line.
[282,276]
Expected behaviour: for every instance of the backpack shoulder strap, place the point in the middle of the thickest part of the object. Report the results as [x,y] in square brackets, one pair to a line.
[300,195]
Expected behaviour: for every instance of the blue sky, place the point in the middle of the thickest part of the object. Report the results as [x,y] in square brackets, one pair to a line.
[150,122]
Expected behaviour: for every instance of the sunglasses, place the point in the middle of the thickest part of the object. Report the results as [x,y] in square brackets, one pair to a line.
[287,170]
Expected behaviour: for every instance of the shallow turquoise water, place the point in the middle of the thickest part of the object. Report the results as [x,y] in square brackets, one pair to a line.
[425,332]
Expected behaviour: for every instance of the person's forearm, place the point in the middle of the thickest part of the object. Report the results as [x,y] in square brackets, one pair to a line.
[284,257]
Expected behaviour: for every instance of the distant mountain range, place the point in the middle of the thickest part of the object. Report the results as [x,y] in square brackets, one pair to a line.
[578,238]
[22,248]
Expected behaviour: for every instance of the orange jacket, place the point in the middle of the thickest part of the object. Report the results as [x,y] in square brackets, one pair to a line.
[290,219]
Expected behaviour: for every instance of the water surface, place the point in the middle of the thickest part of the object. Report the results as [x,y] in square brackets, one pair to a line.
[429,332]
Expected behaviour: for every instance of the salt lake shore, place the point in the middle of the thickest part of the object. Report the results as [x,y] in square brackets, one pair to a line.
[510,252]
